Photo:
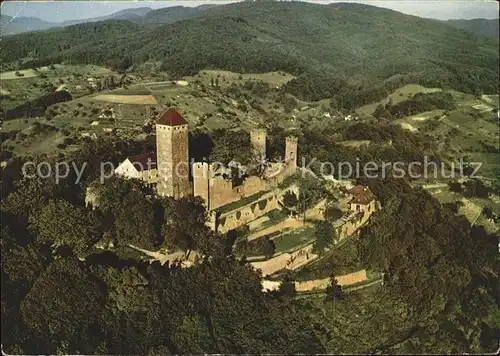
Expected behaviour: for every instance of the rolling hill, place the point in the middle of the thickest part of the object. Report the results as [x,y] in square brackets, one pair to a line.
[127,14]
[325,45]
[12,25]
[484,27]
[141,15]
[21,24]
[168,15]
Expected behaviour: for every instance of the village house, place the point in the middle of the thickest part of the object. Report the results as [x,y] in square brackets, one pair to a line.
[362,199]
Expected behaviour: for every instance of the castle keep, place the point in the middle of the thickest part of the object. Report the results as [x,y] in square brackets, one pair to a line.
[172,151]
[169,169]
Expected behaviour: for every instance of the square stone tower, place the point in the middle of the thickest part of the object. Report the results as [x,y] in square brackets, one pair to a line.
[201,182]
[172,146]
[291,145]
[258,140]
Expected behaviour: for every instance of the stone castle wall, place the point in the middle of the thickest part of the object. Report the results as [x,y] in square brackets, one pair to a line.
[304,286]
[244,215]
[221,192]
[150,176]
[343,280]
[218,191]
[353,224]
[241,216]
[200,172]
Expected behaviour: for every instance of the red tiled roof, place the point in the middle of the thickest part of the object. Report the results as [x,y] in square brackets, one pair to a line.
[171,118]
[143,162]
[361,195]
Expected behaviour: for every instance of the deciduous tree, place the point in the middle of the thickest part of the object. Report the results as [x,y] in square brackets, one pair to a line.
[62,223]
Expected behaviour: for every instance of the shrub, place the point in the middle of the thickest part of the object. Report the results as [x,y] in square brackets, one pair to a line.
[69,141]
[261,246]
[5,155]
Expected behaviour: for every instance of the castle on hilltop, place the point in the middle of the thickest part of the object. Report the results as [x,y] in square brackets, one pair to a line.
[170,171]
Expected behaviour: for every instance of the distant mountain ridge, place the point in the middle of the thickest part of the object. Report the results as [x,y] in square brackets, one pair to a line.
[484,27]
[142,15]
[324,44]
[127,14]
[171,14]
[12,25]
[15,25]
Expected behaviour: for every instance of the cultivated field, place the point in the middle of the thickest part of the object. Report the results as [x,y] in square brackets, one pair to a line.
[127,99]
[56,70]
[272,78]
[25,73]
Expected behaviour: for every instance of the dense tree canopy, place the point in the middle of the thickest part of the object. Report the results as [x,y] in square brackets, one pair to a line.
[423,102]
[61,223]
[440,292]
[63,302]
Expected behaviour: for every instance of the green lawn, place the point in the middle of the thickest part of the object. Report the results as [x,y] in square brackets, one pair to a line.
[275,216]
[444,195]
[341,260]
[242,202]
[132,90]
[291,240]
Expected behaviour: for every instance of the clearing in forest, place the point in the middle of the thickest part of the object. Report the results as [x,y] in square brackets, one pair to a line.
[409,127]
[272,78]
[397,96]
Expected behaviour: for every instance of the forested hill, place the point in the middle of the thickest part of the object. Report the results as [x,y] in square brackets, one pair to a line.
[20,24]
[362,44]
[485,27]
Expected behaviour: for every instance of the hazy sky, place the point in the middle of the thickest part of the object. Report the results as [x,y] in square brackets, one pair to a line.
[58,11]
